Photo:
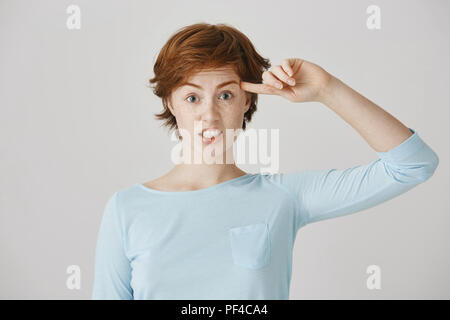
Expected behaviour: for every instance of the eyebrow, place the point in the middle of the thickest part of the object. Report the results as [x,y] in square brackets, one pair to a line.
[218,87]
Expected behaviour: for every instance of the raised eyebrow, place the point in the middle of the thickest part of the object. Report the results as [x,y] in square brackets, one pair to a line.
[218,87]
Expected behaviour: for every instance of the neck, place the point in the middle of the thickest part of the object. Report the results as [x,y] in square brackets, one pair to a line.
[204,175]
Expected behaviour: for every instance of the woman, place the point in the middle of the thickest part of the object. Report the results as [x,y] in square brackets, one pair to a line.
[208,230]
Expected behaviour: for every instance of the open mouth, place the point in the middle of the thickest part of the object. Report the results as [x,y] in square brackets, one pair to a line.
[210,136]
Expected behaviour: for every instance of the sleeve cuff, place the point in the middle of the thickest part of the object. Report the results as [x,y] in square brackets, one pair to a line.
[408,147]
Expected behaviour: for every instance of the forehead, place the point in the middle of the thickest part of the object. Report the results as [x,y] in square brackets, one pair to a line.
[213,75]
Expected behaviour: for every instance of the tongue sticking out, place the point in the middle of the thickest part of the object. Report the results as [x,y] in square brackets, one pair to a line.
[209,140]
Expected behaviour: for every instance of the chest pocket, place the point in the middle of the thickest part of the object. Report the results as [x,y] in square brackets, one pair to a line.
[250,245]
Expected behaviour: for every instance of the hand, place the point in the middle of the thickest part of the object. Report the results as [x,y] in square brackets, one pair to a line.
[310,81]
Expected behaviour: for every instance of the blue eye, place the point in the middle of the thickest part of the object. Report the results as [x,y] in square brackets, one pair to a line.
[229,94]
[189,97]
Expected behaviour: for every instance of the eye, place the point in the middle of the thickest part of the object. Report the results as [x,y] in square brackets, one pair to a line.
[229,93]
[189,97]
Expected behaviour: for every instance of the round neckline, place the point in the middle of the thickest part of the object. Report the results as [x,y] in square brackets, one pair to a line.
[199,191]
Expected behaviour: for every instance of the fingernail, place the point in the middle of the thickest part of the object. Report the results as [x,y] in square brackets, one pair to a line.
[279,85]
[291,82]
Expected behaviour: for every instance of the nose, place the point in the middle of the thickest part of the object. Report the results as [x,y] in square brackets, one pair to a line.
[210,112]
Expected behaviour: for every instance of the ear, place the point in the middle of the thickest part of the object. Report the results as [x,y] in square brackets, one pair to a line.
[169,104]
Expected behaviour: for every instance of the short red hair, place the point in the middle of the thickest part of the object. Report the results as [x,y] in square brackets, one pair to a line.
[205,46]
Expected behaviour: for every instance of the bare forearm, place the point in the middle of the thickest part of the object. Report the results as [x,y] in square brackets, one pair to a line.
[380,129]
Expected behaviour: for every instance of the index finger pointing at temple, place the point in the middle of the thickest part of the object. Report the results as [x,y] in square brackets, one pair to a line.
[255,87]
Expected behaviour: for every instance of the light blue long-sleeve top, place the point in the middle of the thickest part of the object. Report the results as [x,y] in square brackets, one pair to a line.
[234,240]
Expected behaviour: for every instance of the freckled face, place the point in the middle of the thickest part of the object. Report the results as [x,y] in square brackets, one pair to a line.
[212,98]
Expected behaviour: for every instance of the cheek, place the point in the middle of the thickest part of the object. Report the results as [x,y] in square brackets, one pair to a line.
[235,110]
[185,111]
[238,103]
[185,119]
[242,102]
[242,106]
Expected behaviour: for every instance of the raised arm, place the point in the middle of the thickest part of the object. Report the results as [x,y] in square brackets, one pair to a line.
[404,159]
[112,268]
[380,129]
[303,81]
[325,194]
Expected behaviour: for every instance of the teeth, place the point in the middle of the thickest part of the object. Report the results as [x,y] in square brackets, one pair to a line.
[211,133]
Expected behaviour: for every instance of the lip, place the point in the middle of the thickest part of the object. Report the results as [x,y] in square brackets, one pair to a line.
[207,141]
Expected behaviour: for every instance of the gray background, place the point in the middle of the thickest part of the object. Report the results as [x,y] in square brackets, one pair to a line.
[76,125]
